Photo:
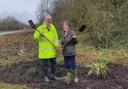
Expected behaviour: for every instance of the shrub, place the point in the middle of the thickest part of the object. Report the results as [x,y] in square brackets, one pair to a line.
[100,68]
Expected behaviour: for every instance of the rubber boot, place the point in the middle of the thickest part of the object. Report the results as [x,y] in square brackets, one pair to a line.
[75,76]
[53,74]
[67,71]
[45,71]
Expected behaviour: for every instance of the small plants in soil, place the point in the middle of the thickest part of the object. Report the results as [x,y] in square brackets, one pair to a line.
[100,68]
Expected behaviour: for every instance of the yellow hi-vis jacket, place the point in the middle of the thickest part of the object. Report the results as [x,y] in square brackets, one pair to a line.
[46,49]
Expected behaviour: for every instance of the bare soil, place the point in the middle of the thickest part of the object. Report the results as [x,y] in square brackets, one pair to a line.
[117,78]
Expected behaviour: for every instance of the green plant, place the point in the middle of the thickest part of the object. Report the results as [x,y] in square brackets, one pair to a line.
[7,66]
[100,68]
[103,60]
[12,86]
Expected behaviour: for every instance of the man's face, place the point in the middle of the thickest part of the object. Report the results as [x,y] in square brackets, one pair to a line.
[48,21]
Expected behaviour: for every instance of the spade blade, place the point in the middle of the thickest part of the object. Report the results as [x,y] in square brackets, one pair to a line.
[82,28]
[31,24]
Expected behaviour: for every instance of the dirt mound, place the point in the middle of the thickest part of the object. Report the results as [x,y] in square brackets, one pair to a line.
[30,73]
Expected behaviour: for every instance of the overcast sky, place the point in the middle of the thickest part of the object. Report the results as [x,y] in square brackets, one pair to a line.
[21,9]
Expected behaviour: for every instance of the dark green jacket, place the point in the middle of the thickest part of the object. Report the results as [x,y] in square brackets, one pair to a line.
[69,49]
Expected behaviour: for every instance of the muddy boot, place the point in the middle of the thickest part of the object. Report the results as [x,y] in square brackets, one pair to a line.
[46,79]
[54,77]
[75,76]
[53,74]
[67,71]
[45,71]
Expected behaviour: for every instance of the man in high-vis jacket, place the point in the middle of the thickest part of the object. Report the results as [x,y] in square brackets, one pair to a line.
[47,51]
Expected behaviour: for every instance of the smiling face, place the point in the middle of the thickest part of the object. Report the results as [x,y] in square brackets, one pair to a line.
[65,26]
[48,20]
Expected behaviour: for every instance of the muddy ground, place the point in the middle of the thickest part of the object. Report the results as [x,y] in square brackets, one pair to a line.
[117,77]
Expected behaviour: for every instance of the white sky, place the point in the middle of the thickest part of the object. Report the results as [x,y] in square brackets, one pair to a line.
[21,9]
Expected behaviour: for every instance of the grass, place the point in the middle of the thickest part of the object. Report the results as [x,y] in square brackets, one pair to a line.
[89,54]
[12,86]
[7,66]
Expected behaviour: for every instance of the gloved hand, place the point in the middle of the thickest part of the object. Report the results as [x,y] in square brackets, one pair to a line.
[42,34]
[58,49]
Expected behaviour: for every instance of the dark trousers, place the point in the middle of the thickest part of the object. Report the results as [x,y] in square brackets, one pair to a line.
[69,62]
[53,64]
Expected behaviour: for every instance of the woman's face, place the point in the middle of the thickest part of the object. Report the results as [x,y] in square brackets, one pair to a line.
[66,28]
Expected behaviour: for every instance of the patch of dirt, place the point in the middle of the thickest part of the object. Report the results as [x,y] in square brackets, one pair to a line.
[117,77]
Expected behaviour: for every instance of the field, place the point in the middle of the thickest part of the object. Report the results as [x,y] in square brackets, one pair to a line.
[20,69]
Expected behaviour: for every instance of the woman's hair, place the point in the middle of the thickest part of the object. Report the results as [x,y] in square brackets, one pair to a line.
[65,23]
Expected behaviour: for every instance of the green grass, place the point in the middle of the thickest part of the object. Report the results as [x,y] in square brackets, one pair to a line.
[12,86]
[119,56]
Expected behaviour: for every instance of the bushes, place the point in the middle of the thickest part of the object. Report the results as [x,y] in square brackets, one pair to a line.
[11,23]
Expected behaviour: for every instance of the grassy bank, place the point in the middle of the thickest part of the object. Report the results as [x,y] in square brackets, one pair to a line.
[12,86]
